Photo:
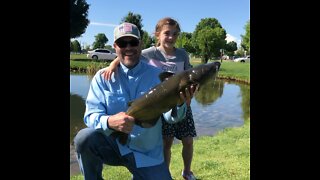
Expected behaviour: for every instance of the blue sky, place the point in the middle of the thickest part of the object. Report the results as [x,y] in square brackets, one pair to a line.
[104,15]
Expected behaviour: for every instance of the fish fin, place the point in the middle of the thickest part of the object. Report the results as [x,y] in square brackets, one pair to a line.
[164,75]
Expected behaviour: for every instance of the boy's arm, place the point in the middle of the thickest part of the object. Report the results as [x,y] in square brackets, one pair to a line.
[112,68]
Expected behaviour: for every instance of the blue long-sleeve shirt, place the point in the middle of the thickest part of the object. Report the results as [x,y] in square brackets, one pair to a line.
[109,97]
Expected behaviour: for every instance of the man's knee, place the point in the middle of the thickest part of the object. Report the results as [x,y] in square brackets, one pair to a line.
[82,137]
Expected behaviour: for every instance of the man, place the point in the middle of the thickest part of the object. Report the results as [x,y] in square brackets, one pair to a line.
[106,104]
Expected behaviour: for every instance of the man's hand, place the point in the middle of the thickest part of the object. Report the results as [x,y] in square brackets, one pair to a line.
[121,122]
[187,96]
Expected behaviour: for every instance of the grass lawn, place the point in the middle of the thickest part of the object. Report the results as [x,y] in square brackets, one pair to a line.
[223,156]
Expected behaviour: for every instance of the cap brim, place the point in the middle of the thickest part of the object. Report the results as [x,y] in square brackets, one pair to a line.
[131,35]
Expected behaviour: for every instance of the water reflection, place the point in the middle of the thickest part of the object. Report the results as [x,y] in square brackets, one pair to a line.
[209,92]
[245,103]
[220,104]
[77,108]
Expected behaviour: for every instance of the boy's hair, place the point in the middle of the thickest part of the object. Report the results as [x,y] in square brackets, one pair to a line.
[166,21]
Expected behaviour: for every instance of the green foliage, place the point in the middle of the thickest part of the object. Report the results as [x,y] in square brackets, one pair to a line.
[207,22]
[185,41]
[147,40]
[245,43]
[240,52]
[87,66]
[208,38]
[75,46]
[87,47]
[79,57]
[78,17]
[110,48]
[134,19]
[100,41]
[230,48]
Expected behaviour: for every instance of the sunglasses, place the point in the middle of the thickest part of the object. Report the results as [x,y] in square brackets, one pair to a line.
[123,44]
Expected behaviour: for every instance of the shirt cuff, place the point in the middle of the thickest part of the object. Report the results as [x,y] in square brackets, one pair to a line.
[104,123]
[184,105]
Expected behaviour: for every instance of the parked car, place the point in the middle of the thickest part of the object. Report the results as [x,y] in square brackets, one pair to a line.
[101,54]
[242,59]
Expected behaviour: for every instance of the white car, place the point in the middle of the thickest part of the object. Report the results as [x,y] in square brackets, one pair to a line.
[242,59]
[101,54]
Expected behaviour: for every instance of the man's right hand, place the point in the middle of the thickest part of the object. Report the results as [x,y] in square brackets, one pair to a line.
[121,122]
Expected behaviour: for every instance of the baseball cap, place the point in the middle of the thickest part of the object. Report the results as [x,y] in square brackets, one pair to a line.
[126,29]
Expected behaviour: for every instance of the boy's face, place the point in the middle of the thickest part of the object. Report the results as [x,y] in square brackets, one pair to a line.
[168,36]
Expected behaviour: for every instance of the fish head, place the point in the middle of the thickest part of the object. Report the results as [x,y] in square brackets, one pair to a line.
[202,73]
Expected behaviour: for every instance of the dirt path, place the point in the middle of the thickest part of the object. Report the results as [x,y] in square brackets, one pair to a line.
[74,167]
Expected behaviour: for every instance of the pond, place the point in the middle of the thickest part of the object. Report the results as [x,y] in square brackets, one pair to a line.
[217,105]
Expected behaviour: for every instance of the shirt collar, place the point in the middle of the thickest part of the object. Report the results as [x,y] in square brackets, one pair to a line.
[132,71]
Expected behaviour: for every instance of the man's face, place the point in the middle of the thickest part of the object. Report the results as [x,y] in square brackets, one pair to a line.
[128,50]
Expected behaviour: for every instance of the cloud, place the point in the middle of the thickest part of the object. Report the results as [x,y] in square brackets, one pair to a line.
[230,38]
[103,24]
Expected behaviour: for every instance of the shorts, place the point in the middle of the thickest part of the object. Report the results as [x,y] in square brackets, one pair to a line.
[184,128]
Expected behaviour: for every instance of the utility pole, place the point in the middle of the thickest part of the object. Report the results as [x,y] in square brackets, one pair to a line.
[221,54]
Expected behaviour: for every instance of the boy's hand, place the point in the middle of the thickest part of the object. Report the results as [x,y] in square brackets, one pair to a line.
[188,95]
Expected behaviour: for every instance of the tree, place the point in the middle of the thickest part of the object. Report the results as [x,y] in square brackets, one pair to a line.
[245,43]
[110,48]
[240,52]
[185,41]
[230,48]
[78,17]
[76,47]
[100,41]
[208,38]
[147,40]
[87,47]
[134,19]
